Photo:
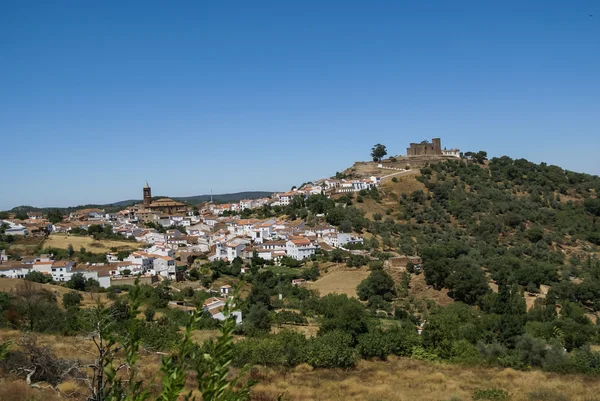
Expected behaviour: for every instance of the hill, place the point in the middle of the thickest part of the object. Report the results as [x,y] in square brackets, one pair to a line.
[477,222]
[543,215]
[191,200]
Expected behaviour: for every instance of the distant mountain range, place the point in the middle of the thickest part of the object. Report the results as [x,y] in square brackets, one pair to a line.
[191,200]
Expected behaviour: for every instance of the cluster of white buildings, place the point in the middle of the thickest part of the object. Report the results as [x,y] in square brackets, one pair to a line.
[327,186]
[45,264]
[209,230]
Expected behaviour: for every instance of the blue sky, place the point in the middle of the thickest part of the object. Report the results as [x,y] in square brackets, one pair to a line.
[97,97]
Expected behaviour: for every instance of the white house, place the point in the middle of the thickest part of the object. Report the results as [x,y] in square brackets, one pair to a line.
[15,271]
[164,266]
[161,251]
[234,249]
[246,204]
[300,248]
[225,290]
[14,228]
[451,152]
[214,306]
[286,197]
[140,262]
[44,267]
[337,240]
[101,273]
[61,271]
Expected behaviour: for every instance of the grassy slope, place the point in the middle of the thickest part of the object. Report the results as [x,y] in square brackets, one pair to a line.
[89,299]
[395,379]
[62,241]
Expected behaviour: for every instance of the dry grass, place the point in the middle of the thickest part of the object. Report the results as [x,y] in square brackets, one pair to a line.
[406,379]
[12,389]
[395,379]
[340,282]
[89,299]
[418,289]
[62,241]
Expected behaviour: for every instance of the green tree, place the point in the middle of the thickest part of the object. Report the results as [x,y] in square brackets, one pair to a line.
[378,283]
[38,277]
[343,314]
[592,205]
[378,152]
[257,320]
[71,299]
[21,216]
[374,344]
[55,216]
[331,350]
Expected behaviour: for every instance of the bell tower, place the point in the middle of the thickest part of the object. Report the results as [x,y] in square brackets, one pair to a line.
[147,195]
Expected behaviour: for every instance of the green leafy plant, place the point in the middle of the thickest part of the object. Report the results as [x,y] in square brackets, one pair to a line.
[493,394]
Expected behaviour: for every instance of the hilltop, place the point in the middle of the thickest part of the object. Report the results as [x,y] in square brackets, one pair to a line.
[535,222]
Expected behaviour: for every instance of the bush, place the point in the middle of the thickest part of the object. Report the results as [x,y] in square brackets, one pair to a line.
[161,335]
[38,277]
[331,350]
[418,352]
[257,320]
[290,317]
[374,344]
[465,352]
[286,348]
[493,394]
[394,179]
[149,314]
[376,265]
[71,299]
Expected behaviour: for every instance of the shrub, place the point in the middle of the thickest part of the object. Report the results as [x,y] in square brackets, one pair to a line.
[160,335]
[149,314]
[374,344]
[290,317]
[331,350]
[418,352]
[493,394]
[394,179]
[71,299]
[465,352]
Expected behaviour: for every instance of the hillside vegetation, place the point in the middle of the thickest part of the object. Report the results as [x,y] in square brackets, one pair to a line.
[490,234]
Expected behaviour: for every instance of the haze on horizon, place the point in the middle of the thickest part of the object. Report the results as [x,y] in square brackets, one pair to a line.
[97,98]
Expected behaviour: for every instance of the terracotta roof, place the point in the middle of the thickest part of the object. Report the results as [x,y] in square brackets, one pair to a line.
[165,202]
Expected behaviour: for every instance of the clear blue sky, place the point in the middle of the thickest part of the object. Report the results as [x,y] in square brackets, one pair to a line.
[98,96]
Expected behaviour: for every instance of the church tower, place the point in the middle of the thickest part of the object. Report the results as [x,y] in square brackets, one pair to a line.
[147,195]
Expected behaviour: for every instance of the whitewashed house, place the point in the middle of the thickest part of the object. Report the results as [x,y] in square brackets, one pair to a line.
[300,248]
[15,271]
[61,271]
[15,228]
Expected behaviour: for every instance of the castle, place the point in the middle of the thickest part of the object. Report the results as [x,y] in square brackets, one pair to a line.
[433,148]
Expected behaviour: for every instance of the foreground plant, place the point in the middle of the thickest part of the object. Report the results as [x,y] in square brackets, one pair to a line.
[211,368]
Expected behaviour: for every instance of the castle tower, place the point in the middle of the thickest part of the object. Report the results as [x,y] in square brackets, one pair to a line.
[437,146]
[147,195]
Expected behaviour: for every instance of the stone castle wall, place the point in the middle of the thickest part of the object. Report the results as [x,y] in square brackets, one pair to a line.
[432,148]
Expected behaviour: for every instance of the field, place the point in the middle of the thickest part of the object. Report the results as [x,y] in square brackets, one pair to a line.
[62,241]
[342,281]
[397,379]
[403,379]
[89,299]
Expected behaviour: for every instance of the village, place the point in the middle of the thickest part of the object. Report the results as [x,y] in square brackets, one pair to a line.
[214,231]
